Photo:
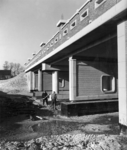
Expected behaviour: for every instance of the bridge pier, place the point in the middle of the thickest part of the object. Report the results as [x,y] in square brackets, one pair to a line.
[33,81]
[39,80]
[72,79]
[29,80]
[122,74]
[55,81]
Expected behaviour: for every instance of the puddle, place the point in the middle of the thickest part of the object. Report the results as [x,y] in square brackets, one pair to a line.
[55,127]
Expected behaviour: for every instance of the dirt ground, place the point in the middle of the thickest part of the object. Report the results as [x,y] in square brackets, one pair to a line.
[23,128]
[22,124]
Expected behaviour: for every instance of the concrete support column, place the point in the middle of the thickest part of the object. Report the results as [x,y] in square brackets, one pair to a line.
[72,79]
[29,80]
[55,81]
[33,81]
[39,80]
[122,74]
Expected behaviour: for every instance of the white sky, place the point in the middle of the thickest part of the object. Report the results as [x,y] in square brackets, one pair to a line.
[24,24]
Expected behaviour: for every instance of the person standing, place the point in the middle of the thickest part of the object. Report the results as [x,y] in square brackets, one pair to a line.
[53,98]
[43,95]
[45,98]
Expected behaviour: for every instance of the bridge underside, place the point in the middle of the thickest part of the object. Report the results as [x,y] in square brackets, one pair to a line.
[87,69]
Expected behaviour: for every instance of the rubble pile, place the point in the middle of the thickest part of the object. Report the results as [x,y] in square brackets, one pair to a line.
[65,142]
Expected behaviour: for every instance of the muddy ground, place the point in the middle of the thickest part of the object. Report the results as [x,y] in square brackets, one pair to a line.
[24,124]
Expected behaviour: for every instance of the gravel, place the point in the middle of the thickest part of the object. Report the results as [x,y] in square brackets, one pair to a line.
[66,142]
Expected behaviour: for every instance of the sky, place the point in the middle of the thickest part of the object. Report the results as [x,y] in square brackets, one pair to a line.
[25,24]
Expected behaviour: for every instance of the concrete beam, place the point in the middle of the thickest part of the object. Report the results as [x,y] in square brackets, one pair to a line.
[61,68]
[47,67]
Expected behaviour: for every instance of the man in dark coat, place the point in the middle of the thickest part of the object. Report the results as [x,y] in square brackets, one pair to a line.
[45,97]
[53,97]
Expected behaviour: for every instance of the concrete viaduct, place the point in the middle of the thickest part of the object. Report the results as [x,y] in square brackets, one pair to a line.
[86,60]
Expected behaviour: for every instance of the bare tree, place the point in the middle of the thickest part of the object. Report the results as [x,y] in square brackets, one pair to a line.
[11,65]
[6,65]
[15,68]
